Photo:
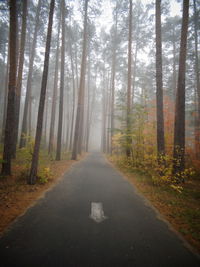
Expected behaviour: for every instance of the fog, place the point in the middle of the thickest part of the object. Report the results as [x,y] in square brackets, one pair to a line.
[95,64]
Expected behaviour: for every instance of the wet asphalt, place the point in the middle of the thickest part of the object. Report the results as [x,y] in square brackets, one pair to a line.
[58,230]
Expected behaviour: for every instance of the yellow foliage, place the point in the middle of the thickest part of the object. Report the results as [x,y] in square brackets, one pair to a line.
[44,175]
[144,152]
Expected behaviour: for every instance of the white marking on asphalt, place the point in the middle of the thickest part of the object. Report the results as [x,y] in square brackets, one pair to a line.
[97,213]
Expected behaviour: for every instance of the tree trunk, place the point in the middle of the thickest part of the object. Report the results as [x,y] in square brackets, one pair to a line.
[134,72]
[62,78]
[5,98]
[128,118]
[107,101]
[197,130]
[10,117]
[19,78]
[67,119]
[108,135]
[29,81]
[112,112]
[80,105]
[2,77]
[103,134]
[46,118]
[88,104]
[174,66]
[91,110]
[2,90]
[54,97]
[74,93]
[29,118]
[76,66]
[35,158]
[179,125]
[159,85]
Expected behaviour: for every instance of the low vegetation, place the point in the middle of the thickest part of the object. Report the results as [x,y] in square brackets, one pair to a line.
[178,202]
[16,195]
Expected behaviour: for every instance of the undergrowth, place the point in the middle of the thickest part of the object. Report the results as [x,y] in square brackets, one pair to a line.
[179,202]
[22,164]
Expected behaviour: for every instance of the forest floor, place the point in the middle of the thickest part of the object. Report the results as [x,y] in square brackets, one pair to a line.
[181,210]
[16,196]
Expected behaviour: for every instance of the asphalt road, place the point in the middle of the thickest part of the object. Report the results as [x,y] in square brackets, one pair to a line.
[59,230]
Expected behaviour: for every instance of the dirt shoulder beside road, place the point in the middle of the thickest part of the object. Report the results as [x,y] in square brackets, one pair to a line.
[181,210]
[16,196]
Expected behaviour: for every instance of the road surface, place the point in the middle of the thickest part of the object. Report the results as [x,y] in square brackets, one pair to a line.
[93,217]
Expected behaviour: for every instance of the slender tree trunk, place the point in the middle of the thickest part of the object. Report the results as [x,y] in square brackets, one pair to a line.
[81,127]
[88,103]
[103,134]
[134,72]
[62,78]
[107,101]
[112,114]
[159,85]
[108,145]
[196,126]
[91,111]
[46,118]
[10,117]
[29,81]
[179,127]
[135,60]
[67,121]
[174,66]
[128,118]
[54,97]
[19,78]
[80,106]
[5,97]
[76,66]
[2,82]
[29,122]
[35,158]
[74,94]
[197,141]
[2,77]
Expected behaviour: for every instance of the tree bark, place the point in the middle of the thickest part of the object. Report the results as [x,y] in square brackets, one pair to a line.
[35,158]
[112,112]
[159,85]
[62,79]
[46,107]
[80,105]
[19,78]
[29,81]
[54,97]
[174,65]
[103,134]
[87,132]
[128,116]
[197,130]
[2,90]
[74,93]
[107,105]
[108,135]
[5,98]
[10,117]
[179,125]
[92,106]
[134,72]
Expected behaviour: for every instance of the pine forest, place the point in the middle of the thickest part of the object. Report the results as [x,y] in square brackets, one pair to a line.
[115,77]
